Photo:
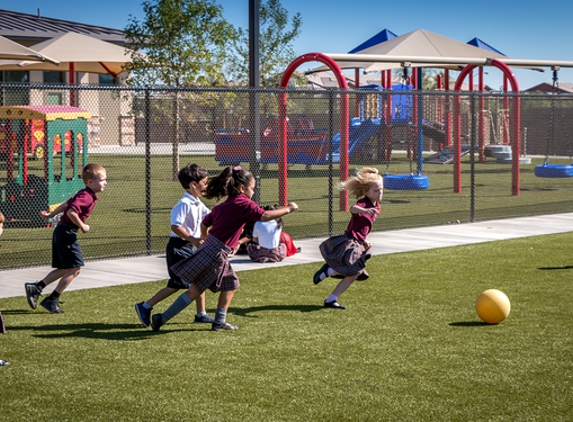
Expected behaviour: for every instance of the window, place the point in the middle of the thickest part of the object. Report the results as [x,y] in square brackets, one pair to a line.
[54,98]
[16,95]
[106,79]
[54,77]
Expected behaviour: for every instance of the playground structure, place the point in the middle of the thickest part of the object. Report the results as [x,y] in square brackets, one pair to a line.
[305,144]
[29,189]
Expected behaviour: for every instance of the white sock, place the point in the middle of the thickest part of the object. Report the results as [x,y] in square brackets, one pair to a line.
[330,272]
[146,306]
[331,299]
[200,314]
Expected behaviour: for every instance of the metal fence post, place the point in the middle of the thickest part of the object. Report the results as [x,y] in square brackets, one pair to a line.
[148,171]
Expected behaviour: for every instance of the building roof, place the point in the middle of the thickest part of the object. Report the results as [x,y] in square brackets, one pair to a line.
[562,88]
[27,29]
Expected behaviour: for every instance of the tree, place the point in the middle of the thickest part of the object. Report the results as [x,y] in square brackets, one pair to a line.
[184,42]
[277,32]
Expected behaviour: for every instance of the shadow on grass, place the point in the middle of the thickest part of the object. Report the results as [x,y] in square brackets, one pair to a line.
[116,332]
[469,324]
[565,267]
[245,312]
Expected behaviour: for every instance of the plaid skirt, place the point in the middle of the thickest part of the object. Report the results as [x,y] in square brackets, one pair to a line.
[258,254]
[344,254]
[209,268]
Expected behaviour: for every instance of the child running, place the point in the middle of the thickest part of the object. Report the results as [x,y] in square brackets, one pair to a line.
[186,217]
[346,254]
[67,256]
[209,267]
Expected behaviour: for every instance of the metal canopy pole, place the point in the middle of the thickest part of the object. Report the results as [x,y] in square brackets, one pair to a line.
[254,107]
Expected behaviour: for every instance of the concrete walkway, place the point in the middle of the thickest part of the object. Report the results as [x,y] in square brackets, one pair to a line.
[151,268]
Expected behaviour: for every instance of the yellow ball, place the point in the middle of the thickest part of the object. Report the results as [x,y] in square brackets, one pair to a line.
[493,306]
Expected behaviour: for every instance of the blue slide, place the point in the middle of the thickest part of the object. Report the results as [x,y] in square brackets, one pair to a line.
[358,133]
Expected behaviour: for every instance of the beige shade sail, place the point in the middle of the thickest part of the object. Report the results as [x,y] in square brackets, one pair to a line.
[416,43]
[10,50]
[86,54]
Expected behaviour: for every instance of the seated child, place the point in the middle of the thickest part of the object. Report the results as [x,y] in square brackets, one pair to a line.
[265,245]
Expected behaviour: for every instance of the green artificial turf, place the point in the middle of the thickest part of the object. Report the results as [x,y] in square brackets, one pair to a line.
[410,347]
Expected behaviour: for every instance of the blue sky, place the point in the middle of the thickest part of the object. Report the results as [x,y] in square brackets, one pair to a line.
[525,30]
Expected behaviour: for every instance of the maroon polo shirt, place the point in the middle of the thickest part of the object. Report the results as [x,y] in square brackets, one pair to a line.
[228,218]
[82,203]
[361,224]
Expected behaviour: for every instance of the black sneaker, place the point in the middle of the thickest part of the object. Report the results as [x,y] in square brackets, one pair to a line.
[203,319]
[363,276]
[4,362]
[334,305]
[322,270]
[51,305]
[143,313]
[33,292]
[223,327]
[156,322]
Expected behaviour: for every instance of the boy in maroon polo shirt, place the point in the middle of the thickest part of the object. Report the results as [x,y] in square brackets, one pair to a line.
[67,258]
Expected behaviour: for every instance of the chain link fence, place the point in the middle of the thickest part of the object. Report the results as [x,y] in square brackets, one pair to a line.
[143,136]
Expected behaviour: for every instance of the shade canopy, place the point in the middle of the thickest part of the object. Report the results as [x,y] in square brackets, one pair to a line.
[416,43]
[86,54]
[9,50]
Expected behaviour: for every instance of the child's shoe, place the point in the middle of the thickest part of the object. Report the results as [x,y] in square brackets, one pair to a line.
[143,313]
[51,305]
[223,327]
[334,305]
[156,322]
[203,319]
[317,275]
[33,292]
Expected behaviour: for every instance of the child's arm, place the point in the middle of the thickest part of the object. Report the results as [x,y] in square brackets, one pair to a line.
[272,214]
[60,209]
[355,209]
[184,235]
[204,232]
[75,218]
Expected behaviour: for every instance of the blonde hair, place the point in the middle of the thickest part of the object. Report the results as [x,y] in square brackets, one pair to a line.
[91,171]
[360,184]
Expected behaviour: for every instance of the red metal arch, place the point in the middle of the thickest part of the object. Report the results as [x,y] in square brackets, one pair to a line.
[515,127]
[282,158]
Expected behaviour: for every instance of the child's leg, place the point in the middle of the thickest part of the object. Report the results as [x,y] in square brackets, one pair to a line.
[67,277]
[345,283]
[201,317]
[176,307]
[160,295]
[51,303]
[220,323]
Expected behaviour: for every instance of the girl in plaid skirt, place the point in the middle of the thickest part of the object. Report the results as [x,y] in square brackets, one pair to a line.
[346,254]
[210,268]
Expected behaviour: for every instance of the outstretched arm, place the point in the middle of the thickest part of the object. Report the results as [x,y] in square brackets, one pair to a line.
[272,214]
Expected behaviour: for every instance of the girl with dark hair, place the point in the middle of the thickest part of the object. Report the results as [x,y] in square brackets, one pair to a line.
[209,267]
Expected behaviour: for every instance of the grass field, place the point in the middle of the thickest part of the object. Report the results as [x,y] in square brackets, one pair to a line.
[120,223]
[409,348]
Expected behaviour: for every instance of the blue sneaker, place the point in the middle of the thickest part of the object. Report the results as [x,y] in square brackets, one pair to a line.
[203,319]
[143,314]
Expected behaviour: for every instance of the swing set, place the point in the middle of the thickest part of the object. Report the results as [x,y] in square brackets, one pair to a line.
[554,170]
[409,181]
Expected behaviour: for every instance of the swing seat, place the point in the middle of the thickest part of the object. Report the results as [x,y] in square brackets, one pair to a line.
[554,170]
[406,182]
